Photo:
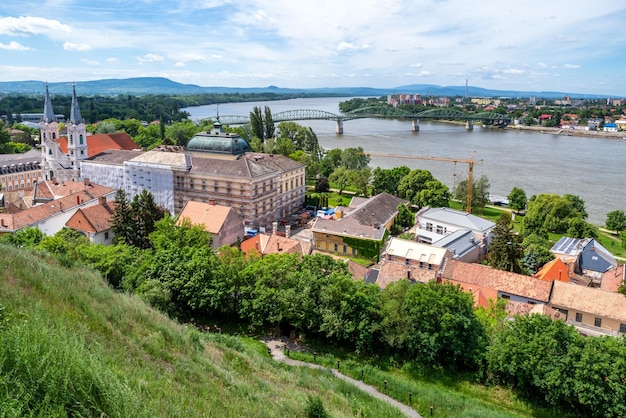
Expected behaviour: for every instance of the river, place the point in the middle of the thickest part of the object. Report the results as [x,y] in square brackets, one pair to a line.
[538,163]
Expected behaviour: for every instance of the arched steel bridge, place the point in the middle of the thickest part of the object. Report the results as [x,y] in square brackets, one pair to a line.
[375,112]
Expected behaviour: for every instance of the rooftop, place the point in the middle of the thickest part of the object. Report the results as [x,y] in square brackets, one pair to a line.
[590,300]
[457,218]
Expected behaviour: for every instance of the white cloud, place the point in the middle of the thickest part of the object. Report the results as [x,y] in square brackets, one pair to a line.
[179,64]
[150,58]
[571,66]
[346,46]
[541,65]
[30,25]
[14,46]
[89,62]
[420,74]
[112,60]
[418,65]
[70,46]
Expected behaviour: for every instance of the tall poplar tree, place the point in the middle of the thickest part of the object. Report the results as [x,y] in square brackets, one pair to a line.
[268,124]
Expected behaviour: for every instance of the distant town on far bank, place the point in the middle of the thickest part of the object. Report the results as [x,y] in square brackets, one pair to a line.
[161,85]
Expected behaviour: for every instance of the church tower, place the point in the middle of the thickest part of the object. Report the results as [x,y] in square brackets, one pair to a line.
[76,136]
[49,134]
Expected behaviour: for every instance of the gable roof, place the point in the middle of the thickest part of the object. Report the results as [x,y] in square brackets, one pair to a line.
[367,220]
[270,244]
[211,217]
[589,300]
[39,213]
[596,258]
[502,281]
[568,246]
[554,270]
[94,219]
[457,218]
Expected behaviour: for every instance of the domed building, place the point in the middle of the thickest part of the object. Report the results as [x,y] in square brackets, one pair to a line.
[218,141]
[215,167]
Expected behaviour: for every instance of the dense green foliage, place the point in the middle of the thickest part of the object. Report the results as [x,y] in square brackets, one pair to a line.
[421,189]
[616,221]
[505,251]
[549,360]
[70,346]
[517,199]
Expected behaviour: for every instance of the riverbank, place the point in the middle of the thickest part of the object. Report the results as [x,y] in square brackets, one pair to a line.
[569,132]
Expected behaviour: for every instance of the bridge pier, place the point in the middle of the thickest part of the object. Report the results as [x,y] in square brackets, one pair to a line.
[415,125]
[469,125]
[339,128]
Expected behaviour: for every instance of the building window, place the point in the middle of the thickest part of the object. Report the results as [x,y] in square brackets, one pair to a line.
[407,261]
[622,328]
[336,247]
[429,227]
[345,249]
[106,235]
[421,264]
[579,317]
[81,139]
[439,229]
[597,322]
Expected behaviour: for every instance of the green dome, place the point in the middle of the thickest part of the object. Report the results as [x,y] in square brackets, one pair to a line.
[218,141]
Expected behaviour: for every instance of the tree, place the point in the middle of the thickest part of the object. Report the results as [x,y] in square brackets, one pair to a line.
[387,180]
[134,221]
[616,221]
[342,177]
[549,213]
[432,323]
[517,199]
[122,221]
[579,228]
[361,180]
[505,250]
[4,138]
[435,194]
[411,184]
[480,192]
[268,124]
[578,205]
[322,185]
[256,123]
[354,158]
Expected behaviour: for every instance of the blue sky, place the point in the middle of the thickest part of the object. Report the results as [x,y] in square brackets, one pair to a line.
[534,45]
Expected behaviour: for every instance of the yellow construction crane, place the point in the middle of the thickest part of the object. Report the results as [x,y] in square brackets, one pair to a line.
[470,174]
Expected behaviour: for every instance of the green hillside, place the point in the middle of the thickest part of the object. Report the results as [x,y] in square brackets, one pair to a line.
[70,346]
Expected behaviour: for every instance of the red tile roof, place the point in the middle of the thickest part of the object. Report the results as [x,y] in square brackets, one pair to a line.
[491,281]
[101,142]
[554,270]
[93,219]
[270,244]
[39,213]
[612,279]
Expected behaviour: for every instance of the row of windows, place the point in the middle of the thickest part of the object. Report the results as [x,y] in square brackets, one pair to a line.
[19,177]
[598,322]
[10,187]
[439,229]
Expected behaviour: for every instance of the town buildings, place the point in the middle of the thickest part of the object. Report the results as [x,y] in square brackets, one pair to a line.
[215,166]
[223,222]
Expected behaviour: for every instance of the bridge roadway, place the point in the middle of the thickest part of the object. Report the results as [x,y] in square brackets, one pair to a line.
[376,112]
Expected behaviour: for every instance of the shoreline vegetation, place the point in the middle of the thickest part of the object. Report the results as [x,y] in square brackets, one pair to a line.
[569,132]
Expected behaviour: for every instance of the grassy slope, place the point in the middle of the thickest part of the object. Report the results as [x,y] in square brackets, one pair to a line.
[71,346]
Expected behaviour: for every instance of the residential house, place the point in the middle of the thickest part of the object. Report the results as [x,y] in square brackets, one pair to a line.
[95,222]
[586,256]
[19,172]
[486,283]
[610,127]
[432,224]
[51,217]
[592,311]
[223,222]
[409,260]
[465,245]
[360,230]
[613,278]
[264,244]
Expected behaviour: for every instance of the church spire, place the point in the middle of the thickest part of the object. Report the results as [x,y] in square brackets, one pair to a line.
[48,112]
[75,117]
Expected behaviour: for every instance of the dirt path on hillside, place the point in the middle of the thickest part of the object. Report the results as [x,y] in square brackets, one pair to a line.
[276,346]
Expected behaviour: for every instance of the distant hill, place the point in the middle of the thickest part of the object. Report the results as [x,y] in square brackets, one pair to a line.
[160,85]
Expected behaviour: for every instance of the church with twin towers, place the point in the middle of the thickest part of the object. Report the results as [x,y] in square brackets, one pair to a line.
[61,155]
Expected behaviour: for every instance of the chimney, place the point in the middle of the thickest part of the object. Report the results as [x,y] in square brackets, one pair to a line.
[212,202]
[3,223]
[278,246]
[87,182]
[61,206]
[77,199]
[287,231]
[102,200]
[274,228]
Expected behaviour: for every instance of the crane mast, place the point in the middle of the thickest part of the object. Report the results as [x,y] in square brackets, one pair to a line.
[470,173]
